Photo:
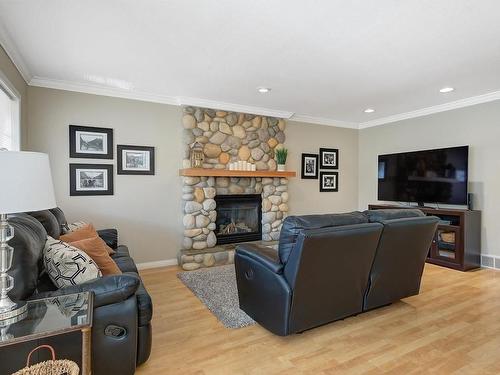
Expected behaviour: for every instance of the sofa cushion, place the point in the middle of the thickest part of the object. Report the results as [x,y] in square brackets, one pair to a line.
[293,225]
[377,216]
[124,262]
[82,233]
[28,242]
[49,222]
[96,248]
[60,217]
[66,265]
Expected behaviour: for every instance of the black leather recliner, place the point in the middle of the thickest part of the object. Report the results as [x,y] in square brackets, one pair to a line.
[329,267]
[121,332]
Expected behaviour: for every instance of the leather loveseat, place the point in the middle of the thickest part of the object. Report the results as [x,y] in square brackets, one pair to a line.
[329,267]
[121,332]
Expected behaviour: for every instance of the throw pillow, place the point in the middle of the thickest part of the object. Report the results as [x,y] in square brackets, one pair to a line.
[82,233]
[66,265]
[75,226]
[95,247]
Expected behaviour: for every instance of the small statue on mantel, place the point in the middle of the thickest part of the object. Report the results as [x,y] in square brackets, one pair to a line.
[197,157]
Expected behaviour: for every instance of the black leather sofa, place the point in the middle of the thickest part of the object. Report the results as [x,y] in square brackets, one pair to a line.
[121,332]
[329,267]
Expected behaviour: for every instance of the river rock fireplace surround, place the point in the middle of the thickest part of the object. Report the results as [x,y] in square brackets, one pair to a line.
[212,232]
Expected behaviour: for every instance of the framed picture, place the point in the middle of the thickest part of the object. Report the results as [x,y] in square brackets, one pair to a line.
[136,159]
[309,166]
[90,142]
[329,181]
[329,158]
[90,179]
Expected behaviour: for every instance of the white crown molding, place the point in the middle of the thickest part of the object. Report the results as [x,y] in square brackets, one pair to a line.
[157,264]
[492,96]
[11,50]
[324,121]
[89,88]
[196,102]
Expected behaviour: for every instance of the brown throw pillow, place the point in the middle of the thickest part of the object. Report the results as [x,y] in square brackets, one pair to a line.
[82,233]
[95,247]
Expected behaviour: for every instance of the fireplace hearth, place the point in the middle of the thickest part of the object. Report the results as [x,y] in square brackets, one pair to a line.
[239,218]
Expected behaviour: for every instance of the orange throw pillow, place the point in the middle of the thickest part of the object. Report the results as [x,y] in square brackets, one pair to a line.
[87,231]
[95,247]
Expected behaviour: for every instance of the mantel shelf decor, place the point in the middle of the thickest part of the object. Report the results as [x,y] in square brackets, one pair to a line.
[207,172]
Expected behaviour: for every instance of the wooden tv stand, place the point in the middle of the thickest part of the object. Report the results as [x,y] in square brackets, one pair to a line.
[457,243]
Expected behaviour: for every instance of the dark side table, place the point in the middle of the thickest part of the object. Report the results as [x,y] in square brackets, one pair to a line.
[54,321]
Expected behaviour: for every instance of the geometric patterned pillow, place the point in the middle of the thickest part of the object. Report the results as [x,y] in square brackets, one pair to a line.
[67,265]
[73,226]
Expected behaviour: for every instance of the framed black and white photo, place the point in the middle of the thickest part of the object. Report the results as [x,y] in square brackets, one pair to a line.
[136,160]
[90,142]
[90,179]
[328,158]
[309,166]
[329,181]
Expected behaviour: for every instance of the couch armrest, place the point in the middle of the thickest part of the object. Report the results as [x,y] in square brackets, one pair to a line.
[266,256]
[107,289]
[110,236]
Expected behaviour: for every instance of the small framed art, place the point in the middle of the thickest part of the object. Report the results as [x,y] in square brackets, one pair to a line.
[90,179]
[329,158]
[328,181]
[139,160]
[309,166]
[90,142]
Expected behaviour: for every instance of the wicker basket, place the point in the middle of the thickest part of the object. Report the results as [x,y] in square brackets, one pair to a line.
[52,367]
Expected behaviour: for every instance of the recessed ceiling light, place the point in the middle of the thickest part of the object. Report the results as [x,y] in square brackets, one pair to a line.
[263,90]
[446,89]
[369,110]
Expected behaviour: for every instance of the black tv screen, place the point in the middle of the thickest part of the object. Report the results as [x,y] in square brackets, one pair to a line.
[431,176]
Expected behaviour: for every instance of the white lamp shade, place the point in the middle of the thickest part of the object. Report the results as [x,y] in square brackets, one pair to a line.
[26,183]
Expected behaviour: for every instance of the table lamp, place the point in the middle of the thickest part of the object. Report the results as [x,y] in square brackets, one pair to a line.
[26,186]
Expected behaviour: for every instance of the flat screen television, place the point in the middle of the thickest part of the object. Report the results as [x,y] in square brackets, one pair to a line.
[430,176]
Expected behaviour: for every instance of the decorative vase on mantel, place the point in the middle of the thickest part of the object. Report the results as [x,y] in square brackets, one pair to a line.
[281,155]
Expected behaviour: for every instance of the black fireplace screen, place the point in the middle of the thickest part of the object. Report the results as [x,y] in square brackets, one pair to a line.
[239,218]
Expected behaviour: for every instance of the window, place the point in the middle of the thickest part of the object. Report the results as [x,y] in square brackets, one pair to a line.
[9,118]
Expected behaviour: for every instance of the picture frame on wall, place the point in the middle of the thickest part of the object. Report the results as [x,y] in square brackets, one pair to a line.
[90,179]
[329,181]
[136,160]
[309,166]
[90,142]
[329,158]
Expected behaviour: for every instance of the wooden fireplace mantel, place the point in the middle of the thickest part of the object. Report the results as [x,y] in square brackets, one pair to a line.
[206,172]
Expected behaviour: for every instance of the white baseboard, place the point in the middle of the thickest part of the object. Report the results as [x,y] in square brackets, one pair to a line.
[157,264]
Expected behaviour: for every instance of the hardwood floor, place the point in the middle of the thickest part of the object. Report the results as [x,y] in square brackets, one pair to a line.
[452,327]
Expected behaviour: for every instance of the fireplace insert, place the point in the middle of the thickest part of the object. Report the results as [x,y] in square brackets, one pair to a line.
[239,218]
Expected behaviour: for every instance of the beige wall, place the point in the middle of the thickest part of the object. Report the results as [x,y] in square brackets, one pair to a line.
[10,71]
[145,209]
[477,126]
[305,197]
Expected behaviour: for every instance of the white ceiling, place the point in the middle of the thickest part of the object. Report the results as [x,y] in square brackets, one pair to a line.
[325,60]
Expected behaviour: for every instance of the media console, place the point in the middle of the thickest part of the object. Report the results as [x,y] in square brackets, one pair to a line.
[457,243]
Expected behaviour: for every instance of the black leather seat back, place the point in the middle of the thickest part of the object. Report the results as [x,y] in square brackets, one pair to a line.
[328,273]
[294,225]
[28,243]
[49,222]
[400,259]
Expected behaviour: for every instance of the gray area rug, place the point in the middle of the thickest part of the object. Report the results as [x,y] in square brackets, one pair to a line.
[216,288]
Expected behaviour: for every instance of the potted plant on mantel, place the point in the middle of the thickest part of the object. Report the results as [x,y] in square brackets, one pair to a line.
[281,155]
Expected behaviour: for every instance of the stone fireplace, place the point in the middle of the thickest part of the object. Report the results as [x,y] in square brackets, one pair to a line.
[222,207]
